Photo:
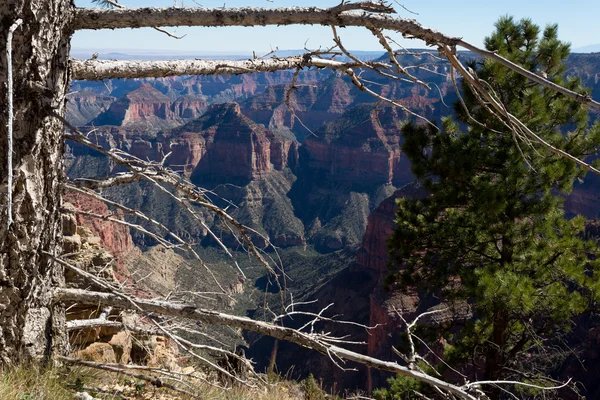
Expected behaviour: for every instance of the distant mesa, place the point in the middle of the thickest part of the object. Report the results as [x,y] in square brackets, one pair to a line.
[147,107]
[592,48]
[232,146]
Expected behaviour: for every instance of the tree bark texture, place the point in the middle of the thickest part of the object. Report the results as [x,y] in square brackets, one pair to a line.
[93,70]
[30,328]
[96,18]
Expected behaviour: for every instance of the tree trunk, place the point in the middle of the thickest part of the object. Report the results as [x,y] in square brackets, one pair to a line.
[30,327]
[495,353]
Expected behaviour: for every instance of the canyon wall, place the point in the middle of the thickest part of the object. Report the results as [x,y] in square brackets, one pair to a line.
[322,183]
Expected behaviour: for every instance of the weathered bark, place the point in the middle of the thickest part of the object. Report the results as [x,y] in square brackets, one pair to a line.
[102,69]
[30,328]
[96,18]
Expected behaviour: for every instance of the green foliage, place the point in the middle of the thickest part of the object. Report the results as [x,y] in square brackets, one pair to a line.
[104,3]
[400,388]
[492,233]
[312,389]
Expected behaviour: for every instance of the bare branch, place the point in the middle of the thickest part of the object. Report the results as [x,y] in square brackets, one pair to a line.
[283,333]
[94,18]
[125,370]
[581,98]
[510,119]
[517,383]
[111,181]
[150,17]
[94,69]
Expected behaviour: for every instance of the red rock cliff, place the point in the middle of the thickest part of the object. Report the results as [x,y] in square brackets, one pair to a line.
[115,238]
[384,306]
[234,146]
[360,148]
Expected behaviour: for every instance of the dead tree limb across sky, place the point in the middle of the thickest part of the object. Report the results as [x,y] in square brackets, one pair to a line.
[370,16]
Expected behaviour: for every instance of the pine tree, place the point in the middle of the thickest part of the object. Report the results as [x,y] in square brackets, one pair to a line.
[492,233]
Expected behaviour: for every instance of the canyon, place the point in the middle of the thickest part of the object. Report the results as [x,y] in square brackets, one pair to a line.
[318,177]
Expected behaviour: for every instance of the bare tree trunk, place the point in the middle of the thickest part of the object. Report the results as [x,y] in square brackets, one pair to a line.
[30,328]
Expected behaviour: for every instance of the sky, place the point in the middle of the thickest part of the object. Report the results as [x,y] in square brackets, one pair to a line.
[470,19]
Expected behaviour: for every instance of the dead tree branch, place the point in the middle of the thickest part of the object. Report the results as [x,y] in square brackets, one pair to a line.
[312,341]
[126,370]
[95,18]
[92,18]
[518,127]
[93,69]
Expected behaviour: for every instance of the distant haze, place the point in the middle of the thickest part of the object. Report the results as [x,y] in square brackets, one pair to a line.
[592,48]
[146,55]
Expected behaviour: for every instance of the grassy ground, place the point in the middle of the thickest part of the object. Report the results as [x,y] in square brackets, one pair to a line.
[34,383]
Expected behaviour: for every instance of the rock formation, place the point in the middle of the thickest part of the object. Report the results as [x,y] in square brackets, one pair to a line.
[149,109]
[235,148]
[83,106]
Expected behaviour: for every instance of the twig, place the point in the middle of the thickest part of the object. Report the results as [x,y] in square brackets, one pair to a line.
[122,369]
[9,94]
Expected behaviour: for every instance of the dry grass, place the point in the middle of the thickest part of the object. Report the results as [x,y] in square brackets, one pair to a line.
[32,383]
[35,383]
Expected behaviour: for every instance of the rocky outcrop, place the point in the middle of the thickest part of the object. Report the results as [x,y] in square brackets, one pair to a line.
[189,107]
[360,149]
[313,105]
[221,144]
[265,207]
[373,253]
[143,106]
[83,106]
[148,108]
[102,343]
[345,171]
[235,148]
[115,238]
[384,305]
[99,352]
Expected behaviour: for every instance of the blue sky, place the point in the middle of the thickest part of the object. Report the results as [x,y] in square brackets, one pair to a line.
[471,19]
